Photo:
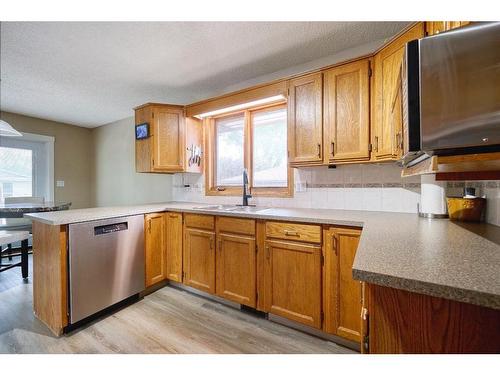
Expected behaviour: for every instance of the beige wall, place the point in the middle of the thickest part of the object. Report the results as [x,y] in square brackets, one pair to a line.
[72,156]
[115,181]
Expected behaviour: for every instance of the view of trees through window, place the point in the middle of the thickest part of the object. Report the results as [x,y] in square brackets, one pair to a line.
[230,135]
[269,148]
[16,172]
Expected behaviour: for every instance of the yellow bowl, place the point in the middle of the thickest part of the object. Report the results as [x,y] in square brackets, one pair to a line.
[466,209]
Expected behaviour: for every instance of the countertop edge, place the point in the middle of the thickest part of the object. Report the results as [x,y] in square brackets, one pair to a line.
[431,289]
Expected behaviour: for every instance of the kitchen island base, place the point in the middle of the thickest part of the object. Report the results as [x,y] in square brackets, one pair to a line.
[50,282]
[405,322]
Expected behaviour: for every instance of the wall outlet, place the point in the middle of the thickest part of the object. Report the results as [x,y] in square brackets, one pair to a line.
[60,183]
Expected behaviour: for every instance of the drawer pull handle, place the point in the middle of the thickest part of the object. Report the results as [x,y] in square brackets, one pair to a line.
[291,233]
[268,253]
[173,216]
[319,150]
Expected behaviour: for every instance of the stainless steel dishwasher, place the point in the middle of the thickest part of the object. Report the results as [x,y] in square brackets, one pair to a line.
[106,264]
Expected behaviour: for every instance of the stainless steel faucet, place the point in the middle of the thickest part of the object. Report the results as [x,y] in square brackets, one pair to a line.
[245,188]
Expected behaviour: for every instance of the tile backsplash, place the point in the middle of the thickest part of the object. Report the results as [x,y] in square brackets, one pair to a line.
[370,187]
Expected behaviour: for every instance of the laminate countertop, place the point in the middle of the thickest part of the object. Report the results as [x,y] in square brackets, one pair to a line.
[441,258]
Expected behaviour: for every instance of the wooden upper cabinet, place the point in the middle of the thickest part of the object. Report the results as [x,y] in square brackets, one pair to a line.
[172,140]
[194,144]
[173,226]
[436,27]
[305,120]
[342,294]
[168,139]
[155,248]
[387,120]
[294,274]
[199,257]
[346,98]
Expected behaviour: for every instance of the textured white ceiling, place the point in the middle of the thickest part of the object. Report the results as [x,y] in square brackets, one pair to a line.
[92,73]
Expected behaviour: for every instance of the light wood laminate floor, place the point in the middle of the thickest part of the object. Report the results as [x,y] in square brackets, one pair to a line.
[168,321]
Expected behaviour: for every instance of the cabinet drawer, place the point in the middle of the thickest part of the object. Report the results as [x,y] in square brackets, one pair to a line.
[292,231]
[199,221]
[236,225]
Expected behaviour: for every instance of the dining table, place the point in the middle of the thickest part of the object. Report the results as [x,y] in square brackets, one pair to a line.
[11,214]
[14,226]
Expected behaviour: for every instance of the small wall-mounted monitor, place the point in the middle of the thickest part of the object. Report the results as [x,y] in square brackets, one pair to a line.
[142,131]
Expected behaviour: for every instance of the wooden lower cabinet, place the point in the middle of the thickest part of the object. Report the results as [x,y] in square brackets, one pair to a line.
[236,268]
[155,249]
[405,322]
[294,281]
[199,259]
[342,294]
[173,224]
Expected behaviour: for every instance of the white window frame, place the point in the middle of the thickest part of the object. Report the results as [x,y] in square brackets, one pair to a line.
[47,143]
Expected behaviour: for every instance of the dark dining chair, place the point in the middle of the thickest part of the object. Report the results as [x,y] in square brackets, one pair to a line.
[7,238]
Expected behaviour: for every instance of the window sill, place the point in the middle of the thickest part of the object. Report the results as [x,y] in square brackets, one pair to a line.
[256,192]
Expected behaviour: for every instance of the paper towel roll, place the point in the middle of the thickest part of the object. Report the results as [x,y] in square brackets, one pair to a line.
[433,195]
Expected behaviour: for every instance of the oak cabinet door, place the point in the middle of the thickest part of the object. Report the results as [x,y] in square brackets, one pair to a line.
[387,121]
[174,245]
[236,268]
[168,139]
[155,248]
[436,27]
[295,281]
[305,122]
[347,112]
[342,294]
[199,259]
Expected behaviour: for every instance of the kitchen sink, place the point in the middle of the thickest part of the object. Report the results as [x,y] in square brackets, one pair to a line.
[246,209]
[230,208]
[209,207]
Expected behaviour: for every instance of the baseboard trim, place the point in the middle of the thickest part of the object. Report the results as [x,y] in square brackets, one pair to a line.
[314,332]
[205,295]
[154,288]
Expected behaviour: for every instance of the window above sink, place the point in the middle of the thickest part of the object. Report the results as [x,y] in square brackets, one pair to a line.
[255,139]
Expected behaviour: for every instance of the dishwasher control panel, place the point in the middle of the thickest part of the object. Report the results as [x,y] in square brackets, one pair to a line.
[110,228]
